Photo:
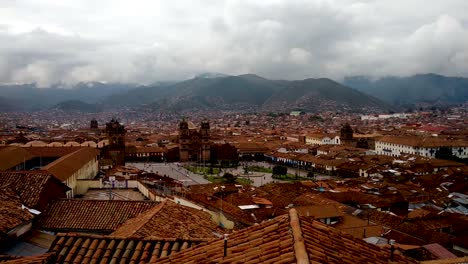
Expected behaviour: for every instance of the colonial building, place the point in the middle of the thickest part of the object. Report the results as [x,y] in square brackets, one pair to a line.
[349,138]
[422,146]
[322,139]
[194,145]
[78,165]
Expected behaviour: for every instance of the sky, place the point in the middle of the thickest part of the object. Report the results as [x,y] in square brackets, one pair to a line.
[144,41]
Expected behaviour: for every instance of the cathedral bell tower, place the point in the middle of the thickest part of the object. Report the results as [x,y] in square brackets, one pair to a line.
[205,140]
[205,129]
[115,133]
[346,134]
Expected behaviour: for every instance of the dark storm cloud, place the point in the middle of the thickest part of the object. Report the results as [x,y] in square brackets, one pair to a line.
[69,41]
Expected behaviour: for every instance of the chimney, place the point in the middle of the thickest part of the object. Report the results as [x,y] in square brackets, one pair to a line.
[225,244]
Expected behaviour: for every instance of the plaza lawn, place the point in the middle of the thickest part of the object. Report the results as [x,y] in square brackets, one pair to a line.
[260,169]
[217,179]
[289,177]
[204,170]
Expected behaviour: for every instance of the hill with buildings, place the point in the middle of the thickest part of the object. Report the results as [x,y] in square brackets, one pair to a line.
[322,94]
[249,91]
[6,105]
[421,88]
[77,106]
[209,91]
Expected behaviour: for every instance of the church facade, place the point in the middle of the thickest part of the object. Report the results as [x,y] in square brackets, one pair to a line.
[194,144]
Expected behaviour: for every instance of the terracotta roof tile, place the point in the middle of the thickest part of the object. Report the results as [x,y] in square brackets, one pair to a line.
[320,211]
[329,245]
[461,260]
[50,151]
[67,165]
[102,216]
[12,156]
[358,228]
[80,248]
[287,239]
[29,185]
[11,212]
[41,259]
[270,240]
[170,220]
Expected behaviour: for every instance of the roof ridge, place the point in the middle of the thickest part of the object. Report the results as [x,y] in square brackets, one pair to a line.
[113,237]
[59,160]
[299,246]
[102,201]
[140,220]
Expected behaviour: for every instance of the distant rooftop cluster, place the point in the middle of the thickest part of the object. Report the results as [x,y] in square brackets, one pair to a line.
[237,188]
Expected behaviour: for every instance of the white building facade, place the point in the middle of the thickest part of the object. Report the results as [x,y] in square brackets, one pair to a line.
[394,146]
[322,140]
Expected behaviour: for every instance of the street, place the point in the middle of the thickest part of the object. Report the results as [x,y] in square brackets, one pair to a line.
[173,170]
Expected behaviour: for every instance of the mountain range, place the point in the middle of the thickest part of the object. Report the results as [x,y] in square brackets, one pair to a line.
[28,97]
[249,91]
[420,88]
[242,92]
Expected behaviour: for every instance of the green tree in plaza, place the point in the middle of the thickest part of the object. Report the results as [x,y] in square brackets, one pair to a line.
[280,170]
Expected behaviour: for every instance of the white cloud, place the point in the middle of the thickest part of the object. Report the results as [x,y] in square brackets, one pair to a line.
[144,41]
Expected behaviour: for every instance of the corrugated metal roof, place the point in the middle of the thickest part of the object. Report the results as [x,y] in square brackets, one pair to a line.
[439,251]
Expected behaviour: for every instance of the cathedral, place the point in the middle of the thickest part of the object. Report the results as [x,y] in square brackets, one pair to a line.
[194,145]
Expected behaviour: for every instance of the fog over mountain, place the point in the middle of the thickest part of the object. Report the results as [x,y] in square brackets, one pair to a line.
[47,42]
[205,91]
[421,88]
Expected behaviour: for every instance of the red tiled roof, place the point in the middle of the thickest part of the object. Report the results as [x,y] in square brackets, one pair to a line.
[439,251]
[79,248]
[250,147]
[11,212]
[287,239]
[51,151]
[29,185]
[269,242]
[461,260]
[263,201]
[407,231]
[320,211]
[12,156]
[69,164]
[170,220]
[358,228]
[102,216]
[149,149]
[326,244]
[41,259]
